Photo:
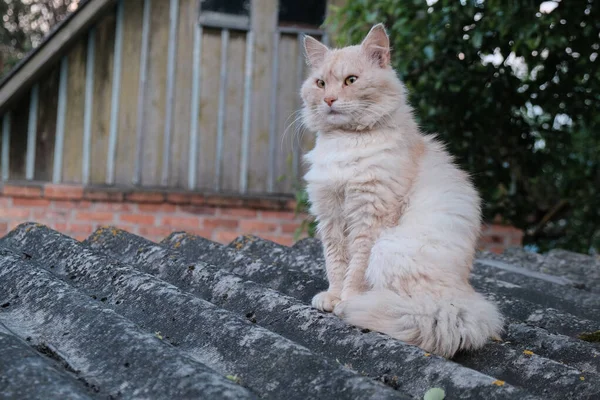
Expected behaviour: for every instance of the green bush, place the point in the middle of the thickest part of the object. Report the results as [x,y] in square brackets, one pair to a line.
[527,125]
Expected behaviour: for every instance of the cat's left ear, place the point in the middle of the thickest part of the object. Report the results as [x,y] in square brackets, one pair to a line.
[377,45]
[315,51]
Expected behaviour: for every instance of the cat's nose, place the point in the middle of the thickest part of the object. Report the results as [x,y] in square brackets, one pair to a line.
[329,100]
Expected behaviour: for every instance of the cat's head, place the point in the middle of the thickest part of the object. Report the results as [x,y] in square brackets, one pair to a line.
[352,88]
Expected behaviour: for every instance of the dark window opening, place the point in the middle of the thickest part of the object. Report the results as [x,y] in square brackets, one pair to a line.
[235,7]
[309,13]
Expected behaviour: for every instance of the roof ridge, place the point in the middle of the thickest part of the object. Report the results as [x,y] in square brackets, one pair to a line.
[396,363]
[68,321]
[210,335]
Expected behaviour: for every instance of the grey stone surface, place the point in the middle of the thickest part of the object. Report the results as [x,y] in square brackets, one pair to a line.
[290,281]
[516,303]
[164,305]
[505,360]
[265,362]
[581,270]
[27,374]
[556,293]
[406,367]
[106,350]
[305,256]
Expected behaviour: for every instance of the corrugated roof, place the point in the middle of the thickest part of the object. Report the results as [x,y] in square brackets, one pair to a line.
[189,318]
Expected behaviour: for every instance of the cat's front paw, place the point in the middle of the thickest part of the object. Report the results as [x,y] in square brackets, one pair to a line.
[325,301]
[340,309]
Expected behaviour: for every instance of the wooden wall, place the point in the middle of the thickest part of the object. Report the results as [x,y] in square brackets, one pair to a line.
[144,162]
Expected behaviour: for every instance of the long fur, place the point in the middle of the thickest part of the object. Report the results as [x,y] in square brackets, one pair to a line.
[398,219]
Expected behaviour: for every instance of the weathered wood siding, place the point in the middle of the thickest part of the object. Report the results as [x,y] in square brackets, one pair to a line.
[142,153]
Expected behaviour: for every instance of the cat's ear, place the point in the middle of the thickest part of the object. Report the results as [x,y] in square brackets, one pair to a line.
[315,51]
[377,45]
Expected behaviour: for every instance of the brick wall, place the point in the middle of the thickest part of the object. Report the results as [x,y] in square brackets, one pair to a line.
[78,211]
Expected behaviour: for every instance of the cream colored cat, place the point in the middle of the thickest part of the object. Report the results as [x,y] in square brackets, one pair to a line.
[398,219]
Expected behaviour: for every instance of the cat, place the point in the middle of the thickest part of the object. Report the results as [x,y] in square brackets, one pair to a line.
[399,221]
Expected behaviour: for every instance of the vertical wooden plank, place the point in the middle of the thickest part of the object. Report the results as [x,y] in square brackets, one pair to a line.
[46,126]
[180,134]
[247,112]
[103,77]
[264,23]
[128,95]
[156,94]
[32,130]
[232,135]
[209,105]
[288,90]
[18,138]
[115,94]
[72,155]
[4,146]
[61,111]
[194,109]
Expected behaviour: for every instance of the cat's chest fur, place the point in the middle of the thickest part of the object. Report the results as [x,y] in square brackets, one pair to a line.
[341,162]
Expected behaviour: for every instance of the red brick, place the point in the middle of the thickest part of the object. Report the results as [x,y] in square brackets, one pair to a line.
[182,222]
[103,195]
[3,228]
[290,227]
[237,212]
[213,223]
[282,240]
[154,231]
[516,239]
[145,197]
[59,226]
[185,198]
[13,224]
[164,207]
[138,219]
[125,227]
[267,204]
[198,210]
[12,213]
[205,233]
[94,216]
[80,228]
[501,229]
[225,237]
[80,237]
[220,201]
[279,215]
[5,202]
[127,207]
[71,205]
[30,202]
[492,239]
[495,249]
[291,205]
[50,215]
[21,191]
[63,192]
[252,226]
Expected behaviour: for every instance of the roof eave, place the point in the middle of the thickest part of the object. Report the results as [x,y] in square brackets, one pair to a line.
[43,56]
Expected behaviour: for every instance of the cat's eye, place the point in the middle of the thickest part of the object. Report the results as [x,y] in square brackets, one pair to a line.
[350,80]
[320,83]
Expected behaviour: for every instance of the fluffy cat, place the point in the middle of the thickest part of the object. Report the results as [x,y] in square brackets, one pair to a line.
[398,219]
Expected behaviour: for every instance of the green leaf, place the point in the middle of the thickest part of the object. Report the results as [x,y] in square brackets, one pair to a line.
[434,394]
[429,52]
[477,39]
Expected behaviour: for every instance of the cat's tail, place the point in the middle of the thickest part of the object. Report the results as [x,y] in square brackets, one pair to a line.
[441,325]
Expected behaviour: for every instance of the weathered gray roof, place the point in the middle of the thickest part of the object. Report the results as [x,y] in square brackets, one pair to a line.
[119,316]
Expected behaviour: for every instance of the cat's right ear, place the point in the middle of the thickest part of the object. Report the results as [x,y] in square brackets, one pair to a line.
[315,51]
